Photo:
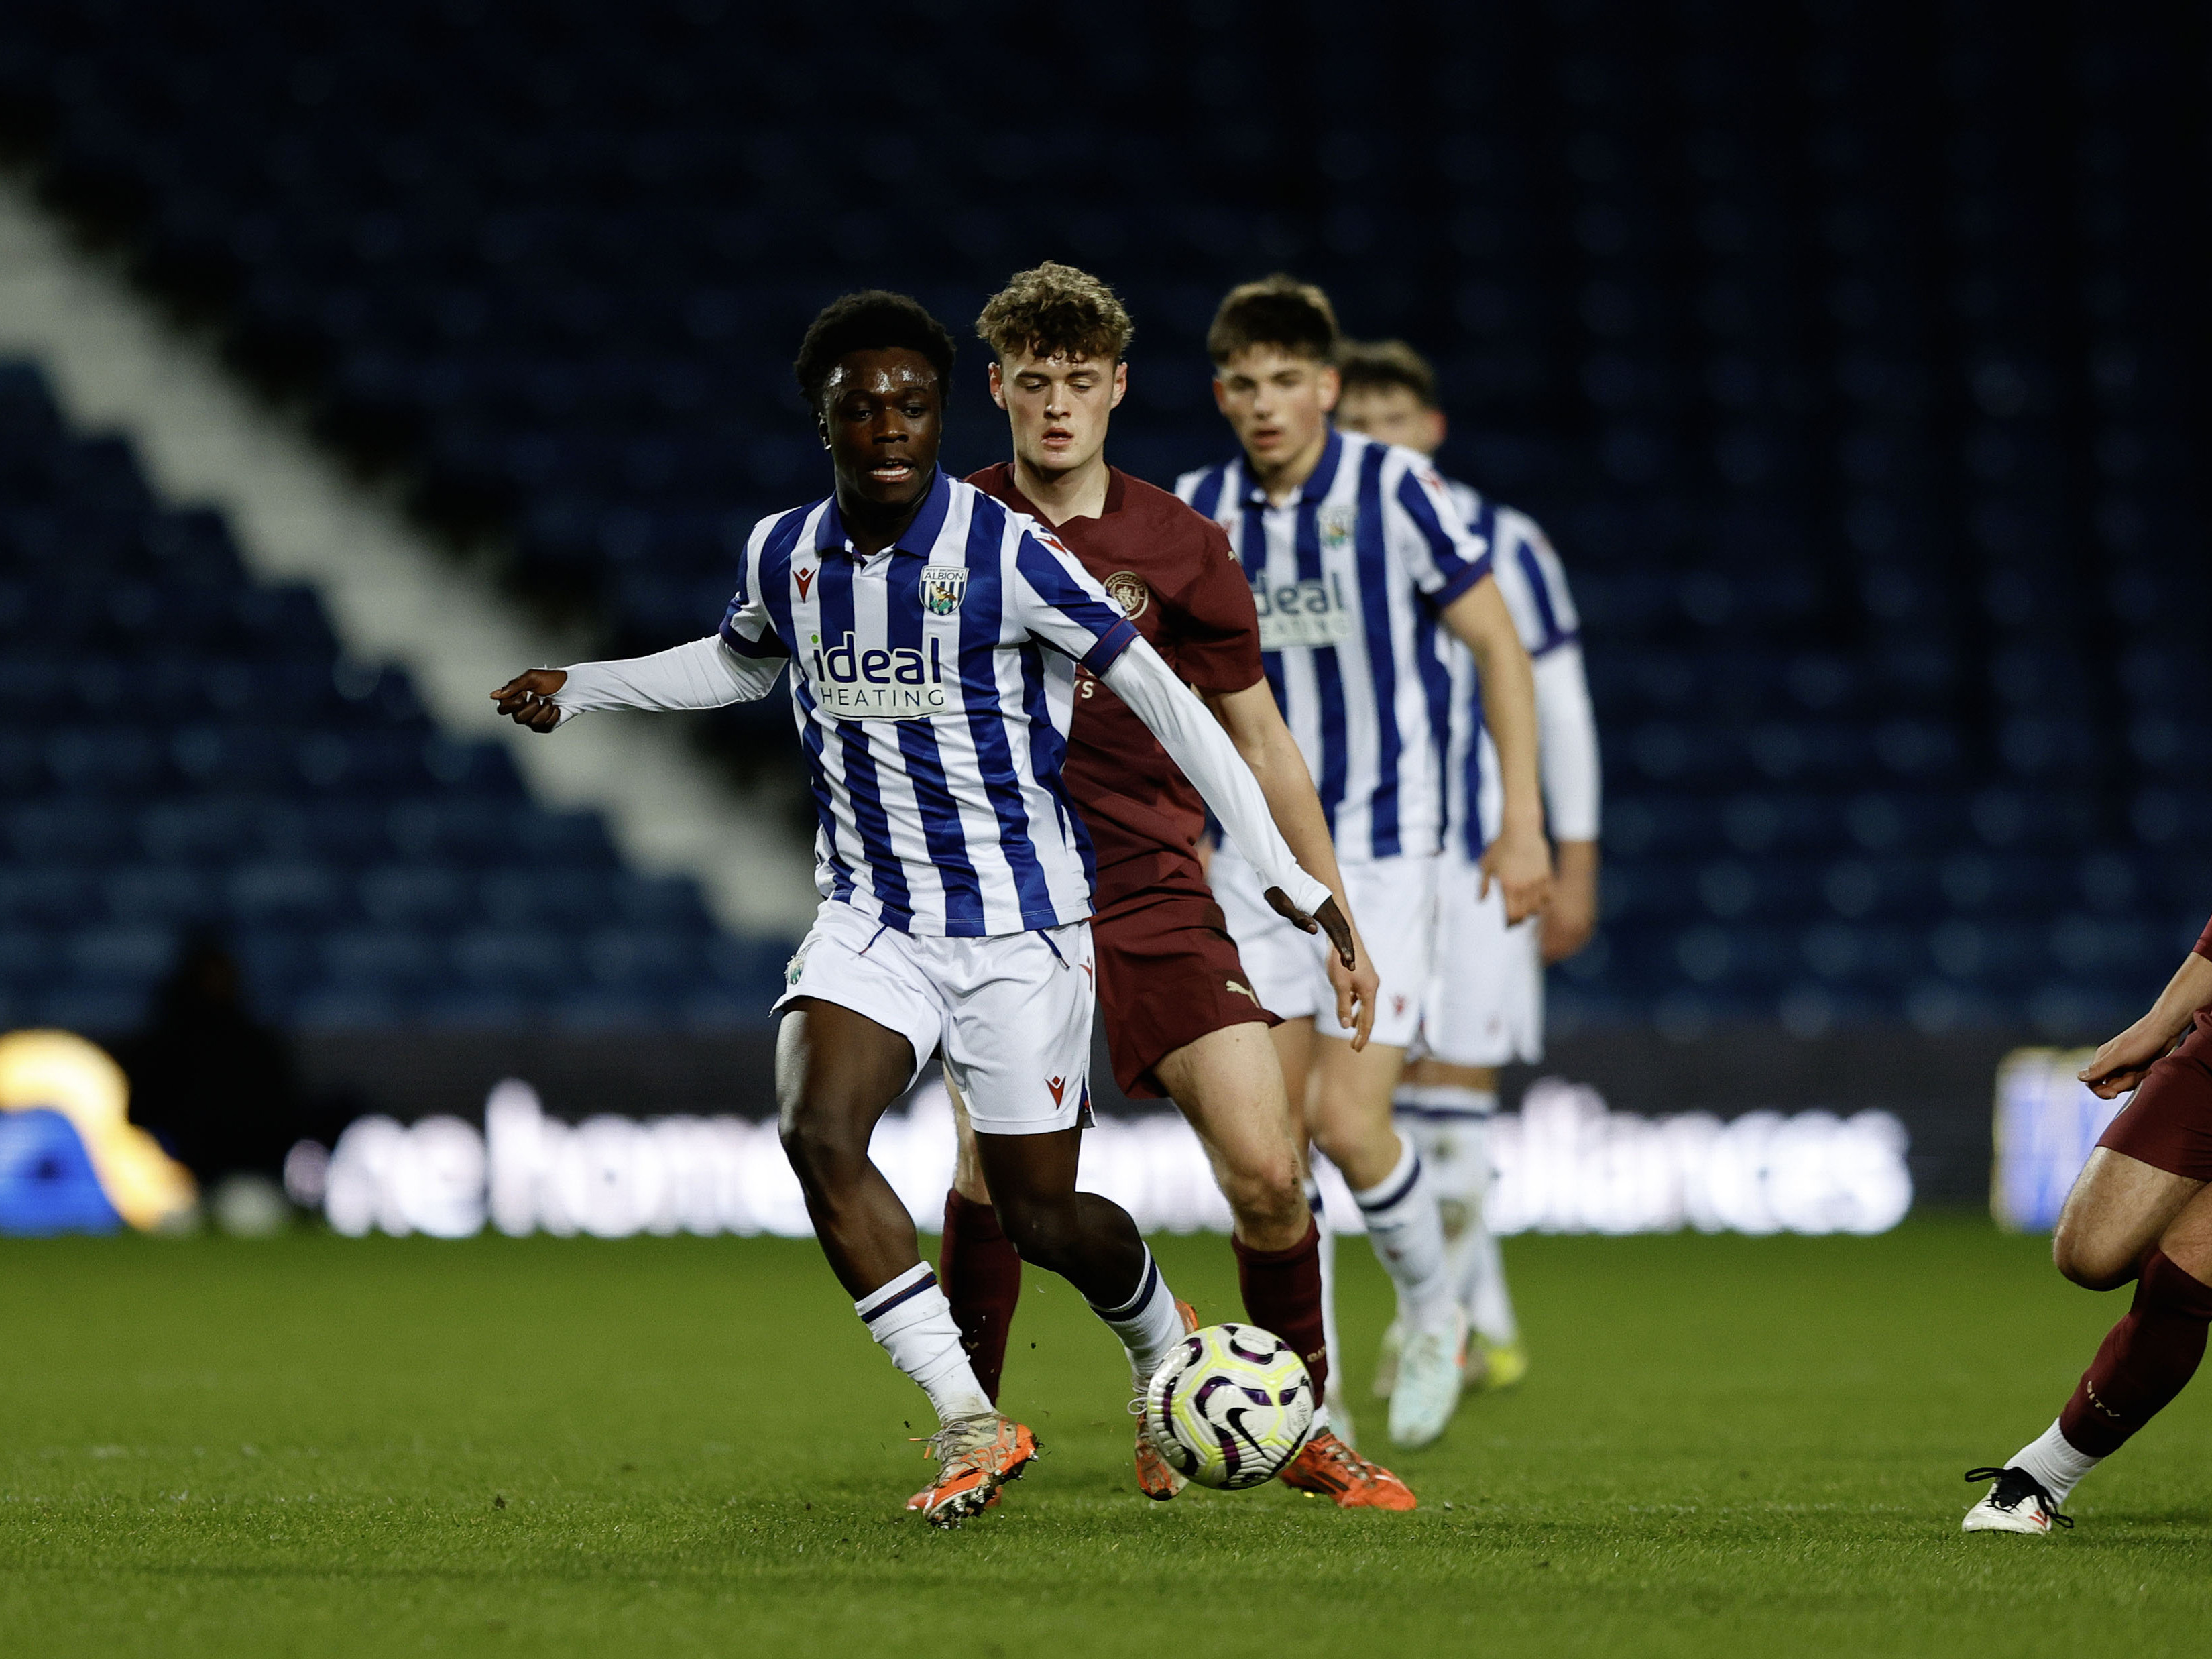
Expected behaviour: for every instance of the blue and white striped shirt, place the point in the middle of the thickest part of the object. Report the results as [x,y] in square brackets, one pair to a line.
[1534,584]
[1349,578]
[933,718]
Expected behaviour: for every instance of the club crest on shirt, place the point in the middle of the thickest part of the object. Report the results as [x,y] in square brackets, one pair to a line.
[1336,524]
[942,585]
[1127,591]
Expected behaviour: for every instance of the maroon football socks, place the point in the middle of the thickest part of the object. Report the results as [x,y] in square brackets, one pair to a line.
[981,1272]
[2146,1359]
[1282,1294]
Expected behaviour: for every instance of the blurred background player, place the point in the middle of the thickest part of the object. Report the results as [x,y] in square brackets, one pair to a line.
[2139,1211]
[1486,1003]
[1356,557]
[1180,1018]
[913,612]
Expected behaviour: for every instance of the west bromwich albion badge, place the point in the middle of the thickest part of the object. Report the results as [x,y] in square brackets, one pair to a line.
[1336,524]
[942,585]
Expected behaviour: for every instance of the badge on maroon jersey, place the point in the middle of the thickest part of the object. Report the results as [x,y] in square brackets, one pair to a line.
[1127,590]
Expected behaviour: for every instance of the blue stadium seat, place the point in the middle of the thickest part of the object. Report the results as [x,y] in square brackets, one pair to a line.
[1834,524]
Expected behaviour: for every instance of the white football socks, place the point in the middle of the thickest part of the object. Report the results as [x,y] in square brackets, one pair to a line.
[1489,1304]
[2051,1457]
[1147,1322]
[912,1322]
[1408,1237]
[1451,1125]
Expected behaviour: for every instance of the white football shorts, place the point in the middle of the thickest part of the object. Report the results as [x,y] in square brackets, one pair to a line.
[1485,1005]
[1011,1014]
[1394,904]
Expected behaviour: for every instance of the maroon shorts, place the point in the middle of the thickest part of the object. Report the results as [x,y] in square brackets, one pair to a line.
[2168,1123]
[1168,973]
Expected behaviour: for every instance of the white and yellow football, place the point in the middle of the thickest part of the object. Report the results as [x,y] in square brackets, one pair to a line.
[1230,1406]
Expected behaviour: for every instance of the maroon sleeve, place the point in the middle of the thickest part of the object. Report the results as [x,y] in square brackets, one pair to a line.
[2204,942]
[1218,649]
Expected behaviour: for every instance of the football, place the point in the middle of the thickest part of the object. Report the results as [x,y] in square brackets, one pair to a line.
[1230,1406]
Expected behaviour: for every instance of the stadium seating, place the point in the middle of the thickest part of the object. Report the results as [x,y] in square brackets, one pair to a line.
[1848,352]
[188,750]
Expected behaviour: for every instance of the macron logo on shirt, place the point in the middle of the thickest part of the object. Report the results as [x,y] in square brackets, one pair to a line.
[871,685]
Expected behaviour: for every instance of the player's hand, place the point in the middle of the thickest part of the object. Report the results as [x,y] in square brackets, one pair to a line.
[1354,981]
[1356,988]
[1572,916]
[527,699]
[1328,919]
[1521,864]
[2125,1060]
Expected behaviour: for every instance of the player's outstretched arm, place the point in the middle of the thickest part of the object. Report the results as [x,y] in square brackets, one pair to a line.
[1518,861]
[2121,1064]
[1197,745]
[702,674]
[1256,726]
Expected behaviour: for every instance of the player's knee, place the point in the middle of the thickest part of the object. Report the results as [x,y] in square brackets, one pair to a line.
[1043,1235]
[822,1155]
[1350,1146]
[1267,1193]
[2092,1263]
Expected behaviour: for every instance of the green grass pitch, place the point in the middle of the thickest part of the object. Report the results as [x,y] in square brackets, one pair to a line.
[672,1447]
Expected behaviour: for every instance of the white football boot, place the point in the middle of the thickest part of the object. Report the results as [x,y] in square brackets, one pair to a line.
[1425,1392]
[2017,1502]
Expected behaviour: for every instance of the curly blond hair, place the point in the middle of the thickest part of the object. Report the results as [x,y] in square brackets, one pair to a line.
[1056,310]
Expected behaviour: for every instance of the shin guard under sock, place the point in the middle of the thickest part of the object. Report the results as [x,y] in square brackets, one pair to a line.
[909,1319]
[1149,1323]
[1334,1365]
[981,1272]
[1408,1238]
[2146,1359]
[1282,1294]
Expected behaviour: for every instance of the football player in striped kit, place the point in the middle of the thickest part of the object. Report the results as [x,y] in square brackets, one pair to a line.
[1486,1003]
[932,638]
[1356,557]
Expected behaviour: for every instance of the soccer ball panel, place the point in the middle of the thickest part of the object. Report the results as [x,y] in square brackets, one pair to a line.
[1230,1406]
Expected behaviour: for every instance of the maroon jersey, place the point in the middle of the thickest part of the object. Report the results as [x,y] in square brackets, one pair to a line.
[1170,570]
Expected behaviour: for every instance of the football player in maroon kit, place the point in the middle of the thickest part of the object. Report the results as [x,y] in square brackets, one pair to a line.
[2141,1210]
[1181,1019]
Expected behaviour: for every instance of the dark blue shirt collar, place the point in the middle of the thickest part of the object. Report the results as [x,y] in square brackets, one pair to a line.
[1318,482]
[918,538]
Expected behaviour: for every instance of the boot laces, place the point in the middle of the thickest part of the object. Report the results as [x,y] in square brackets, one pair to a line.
[2015,1487]
[961,1435]
[1348,1463]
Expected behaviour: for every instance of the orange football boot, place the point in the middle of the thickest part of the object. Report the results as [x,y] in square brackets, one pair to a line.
[1156,1478]
[976,1455]
[1326,1468]
[920,1499]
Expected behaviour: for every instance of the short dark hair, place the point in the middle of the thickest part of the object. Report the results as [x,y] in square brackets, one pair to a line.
[1056,310]
[1379,365]
[1276,311]
[872,320]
